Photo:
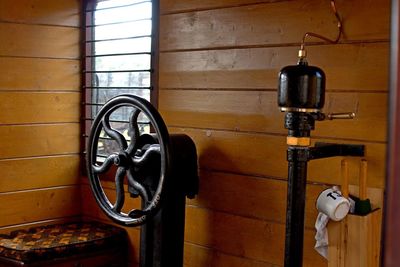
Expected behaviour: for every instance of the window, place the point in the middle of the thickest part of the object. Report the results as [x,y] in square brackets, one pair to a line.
[120,40]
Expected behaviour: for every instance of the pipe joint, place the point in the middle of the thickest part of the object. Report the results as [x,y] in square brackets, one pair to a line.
[299,154]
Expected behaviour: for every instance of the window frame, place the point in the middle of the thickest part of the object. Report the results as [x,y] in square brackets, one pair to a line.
[87,18]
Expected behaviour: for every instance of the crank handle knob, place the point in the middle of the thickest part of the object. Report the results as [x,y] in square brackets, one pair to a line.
[345,116]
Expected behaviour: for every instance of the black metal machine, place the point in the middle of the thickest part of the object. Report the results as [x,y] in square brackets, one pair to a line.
[159,167]
[301,94]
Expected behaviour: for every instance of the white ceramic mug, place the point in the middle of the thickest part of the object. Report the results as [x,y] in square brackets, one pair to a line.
[333,204]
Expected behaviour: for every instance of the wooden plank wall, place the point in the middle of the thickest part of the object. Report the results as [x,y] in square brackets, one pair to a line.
[219,62]
[39,120]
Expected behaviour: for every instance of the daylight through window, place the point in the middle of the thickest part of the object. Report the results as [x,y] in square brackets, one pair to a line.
[118,59]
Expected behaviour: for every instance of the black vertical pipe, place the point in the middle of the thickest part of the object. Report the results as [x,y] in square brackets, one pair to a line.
[297,176]
[299,125]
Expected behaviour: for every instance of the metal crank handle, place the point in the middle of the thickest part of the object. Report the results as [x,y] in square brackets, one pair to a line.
[345,116]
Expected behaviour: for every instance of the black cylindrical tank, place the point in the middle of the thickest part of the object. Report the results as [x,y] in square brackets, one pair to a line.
[301,88]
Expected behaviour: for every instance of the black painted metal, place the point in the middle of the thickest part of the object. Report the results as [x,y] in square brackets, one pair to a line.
[298,158]
[296,195]
[301,86]
[161,169]
[129,156]
[162,238]
[301,92]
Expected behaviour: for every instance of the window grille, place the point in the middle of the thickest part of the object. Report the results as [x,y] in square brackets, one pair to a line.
[119,48]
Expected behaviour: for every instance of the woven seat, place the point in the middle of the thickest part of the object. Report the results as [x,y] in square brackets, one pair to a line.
[60,241]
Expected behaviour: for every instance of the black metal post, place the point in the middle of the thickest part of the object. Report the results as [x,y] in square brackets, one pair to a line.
[162,237]
[296,196]
[299,125]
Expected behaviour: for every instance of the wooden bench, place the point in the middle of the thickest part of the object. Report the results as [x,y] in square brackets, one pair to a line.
[82,244]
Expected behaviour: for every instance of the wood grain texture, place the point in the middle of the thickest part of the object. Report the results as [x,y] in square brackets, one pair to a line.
[253,197]
[260,198]
[183,6]
[61,12]
[265,155]
[10,228]
[38,140]
[38,74]
[244,237]
[348,67]
[220,231]
[199,256]
[356,241]
[90,211]
[257,111]
[38,205]
[133,234]
[29,107]
[34,173]
[269,24]
[39,41]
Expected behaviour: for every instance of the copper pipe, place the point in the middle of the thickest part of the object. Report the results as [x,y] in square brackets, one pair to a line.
[302,53]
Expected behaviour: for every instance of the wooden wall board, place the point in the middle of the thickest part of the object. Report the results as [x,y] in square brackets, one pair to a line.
[11,228]
[39,41]
[348,67]
[199,256]
[61,12]
[244,237]
[91,211]
[38,74]
[91,208]
[262,24]
[39,140]
[40,172]
[209,228]
[265,155]
[257,111]
[39,147]
[39,107]
[206,242]
[260,198]
[37,205]
[133,234]
[183,6]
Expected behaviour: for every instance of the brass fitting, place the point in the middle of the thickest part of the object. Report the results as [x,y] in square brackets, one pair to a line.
[298,141]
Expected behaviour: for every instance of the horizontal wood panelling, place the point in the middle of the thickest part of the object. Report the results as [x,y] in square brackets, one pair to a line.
[360,67]
[36,205]
[9,229]
[265,155]
[39,41]
[38,140]
[133,234]
[28,173]
[180,6]
[199,256]
[41,107]
[261,24]
[219,64]
[244,237]
[38,74]
[91,210]
[60,12]
[260,198]
[258,111]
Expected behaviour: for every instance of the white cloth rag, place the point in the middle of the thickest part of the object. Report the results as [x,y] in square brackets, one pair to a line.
[321,237]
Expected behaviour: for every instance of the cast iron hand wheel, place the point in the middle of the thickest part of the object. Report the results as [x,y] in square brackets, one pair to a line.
[130,159]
